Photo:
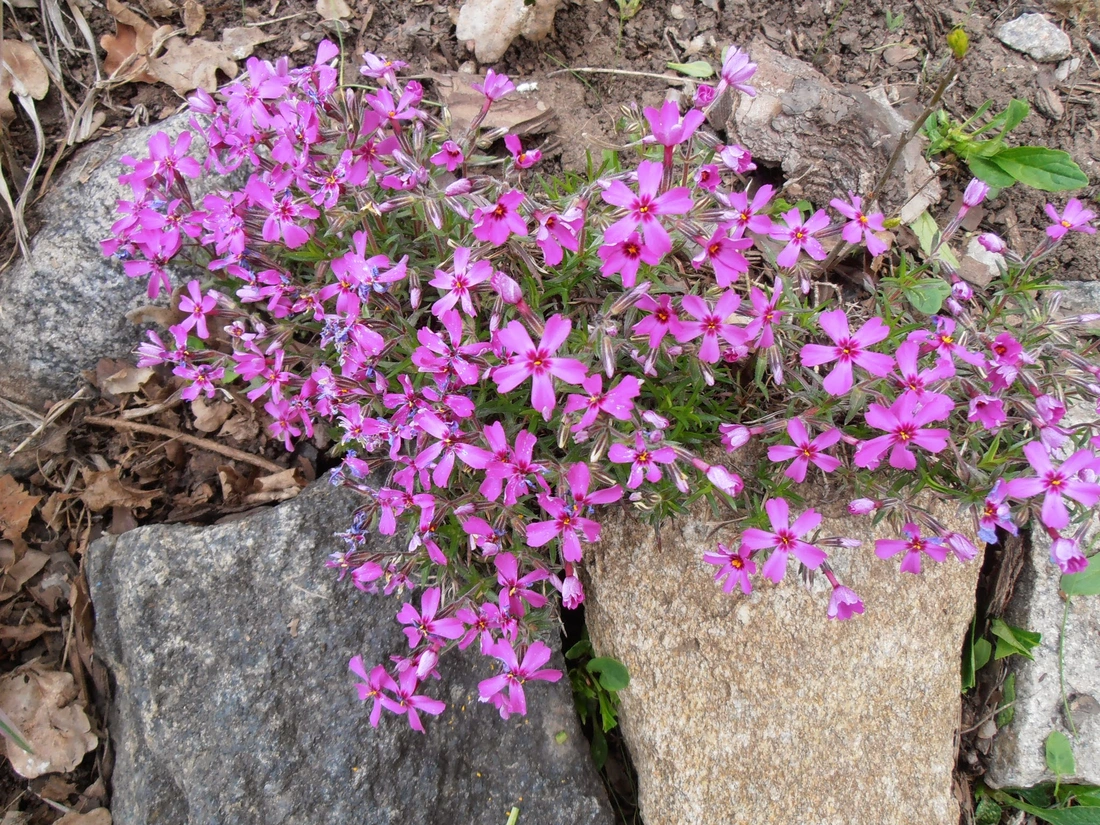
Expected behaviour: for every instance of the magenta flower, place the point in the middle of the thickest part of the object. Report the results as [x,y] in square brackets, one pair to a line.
[724,255]
[645,208]
[799,236]
[459,285]
[196,307]
[903,422]
[667,127]
[557,232]
[616,402]
[987,409]
[764,315]
[704,96]
[915,380]
[975,193]
[992,243]
[784,539]
[644,461]
[515,590]
[480,625]
[1055,483]
[737,158]
[1065,551]
[912,545]
[495,225]
[449,155]
[539,363]
[995,513]
[746,214]
[860,226]
[572,593]
[736,71]
[848,349]
[734,436]
[1074,217]
[844,603]
[372,686]
[625,257]
[804,451]
[452,443]
[734,567]
[707,177]
[423,625]
[522,159]
[171,163]
[578,479]
[495,86]
[566,522]
[662,317]
[516,674]
[407,702]
[711,324]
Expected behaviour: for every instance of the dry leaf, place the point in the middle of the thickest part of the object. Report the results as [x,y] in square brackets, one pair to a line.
[16,506]
[188,66]
[126,381]
[241,41]
[194,15]
[25,633]
[104,489]
[52,509]
[240,428]
[133,39]
[333,9]
[100,816]
[21,572]
[520,114]
[57,789]
[159,8]
[209,416]
[41,704]
[23,73]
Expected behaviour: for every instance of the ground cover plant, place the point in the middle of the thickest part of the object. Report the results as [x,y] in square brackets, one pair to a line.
[501,354]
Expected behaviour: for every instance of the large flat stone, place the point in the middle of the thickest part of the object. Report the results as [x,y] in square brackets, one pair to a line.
[1018,755]
[758,709]
[233,704]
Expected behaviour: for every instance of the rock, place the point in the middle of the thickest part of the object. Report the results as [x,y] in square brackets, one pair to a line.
[490,26]
[1017,759]
[228,646]
[1036,37]
[1079,298]
[1067,68]
[979,265]
[762,706]
[70,301]
[831,139]
[1049,103]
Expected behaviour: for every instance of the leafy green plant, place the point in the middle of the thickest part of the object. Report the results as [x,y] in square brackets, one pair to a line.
[894,21]
[991,160]
[1056,804]
[978,651]
[596,682]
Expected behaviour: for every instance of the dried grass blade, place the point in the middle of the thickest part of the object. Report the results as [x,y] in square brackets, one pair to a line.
[52,12]
[18,225]
[86,32]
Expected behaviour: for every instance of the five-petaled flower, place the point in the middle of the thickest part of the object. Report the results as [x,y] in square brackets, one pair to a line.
[645,461]
[539,363]
[847,349]
[903,422]
[515,675]
[1055,482]
[785,538]
[734,566]
[912,545]
[860,226]
[804,451]
[645,208]
[799,236]
[1074,217]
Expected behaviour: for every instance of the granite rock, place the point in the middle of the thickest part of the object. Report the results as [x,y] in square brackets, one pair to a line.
[228,649]
[1034,35]
[758,709]
[1018,755]
[830,139]
[1079,298]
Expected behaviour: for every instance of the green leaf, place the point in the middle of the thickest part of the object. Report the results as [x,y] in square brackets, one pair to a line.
[1087,796]
[1050,170]
[581,648]
[1005,716]
[698,68]
[1055,816]
[1014,640]
[613,673]
[599,747]
[928,294]
[1085,583]
[989,172]
[1059,753]
[928,232]
[987,812]
[561,737]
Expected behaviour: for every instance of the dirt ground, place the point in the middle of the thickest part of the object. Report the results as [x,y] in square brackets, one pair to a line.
[864,44]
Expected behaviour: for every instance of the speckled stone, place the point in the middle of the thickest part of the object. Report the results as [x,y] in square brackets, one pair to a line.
[228,647]
[1034,35]
[758,709]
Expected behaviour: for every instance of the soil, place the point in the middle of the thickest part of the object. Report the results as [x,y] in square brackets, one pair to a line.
[856,44]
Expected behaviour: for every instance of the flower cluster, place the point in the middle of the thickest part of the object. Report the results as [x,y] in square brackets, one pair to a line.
[499,358]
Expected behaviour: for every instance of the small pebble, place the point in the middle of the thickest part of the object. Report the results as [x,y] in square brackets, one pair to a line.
[1066,68]
[1036,36]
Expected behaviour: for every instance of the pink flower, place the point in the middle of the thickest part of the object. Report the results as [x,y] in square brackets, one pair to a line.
[169,162]
[863,506]
[804,451]
[704,96]
[449,155]
[844,603]
[645,208]
[707,177]
[749,215]
[662,316]
[995,513]
[736,71]
[644,460]
[912,545]
[860,226]
[724,255]
[539,363]
[975,193]
[522,159]
[495,225]
[515,590]
[992,243]
[1054,483]
[578,480]
[616,402]
[711,324]
[1074,217]
[423,625]
[566,522]
[987,409]
[557,232]
[734,567]
[799,236]
[785,539]
[516,674]
[572,593]
[848,350]
[625,257]
[903,422]
[459,285]
[668,129]
[1065,551]
[734,436]
[372,685]
[915,380]
[407,702]
[736,158]
[495,86]
[729,483]
[197,307]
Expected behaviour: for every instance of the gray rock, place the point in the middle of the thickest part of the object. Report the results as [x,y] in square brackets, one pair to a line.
[228,646]
[1036,37]
[1079,298]
[829,139]
[758,709]
[1018,755]
[66,308]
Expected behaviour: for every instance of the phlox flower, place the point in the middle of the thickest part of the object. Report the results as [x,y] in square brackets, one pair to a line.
[975,193]
[283,422]
[995,513]
[1065,551]
[509,469]
[403,109]
[522,159]
[494,87]
[372,685]
[1007,358]
[406,701]
[557,232]
[1054,483]
[643,459]
[616,402]
[903,422]
[423,625]
[625,257]
[451,444]
[1074,217]
[804,451]
[912,545]
[729,483]
[280,214]
[764,314]
[539,363]
[480,625]
[1049,414]
[380,67]
[196,307]
[169,160]
[514,589]
[848,349]
[710,323]
[645,208]
[578,479]
[736,71]
[447,358]
[736,158]
[734,436]
[734,567]
[748,215]
[704,96]
[202,378]
[723,253]
[515,675]
[784,538]
[707,177]
[912,379]
[667,127]
[494,225]
[458,285]
[860,226]
[799,236]
[987,409]
[660,321]
[566,522]
[572,593]
[844,603]
[449,155]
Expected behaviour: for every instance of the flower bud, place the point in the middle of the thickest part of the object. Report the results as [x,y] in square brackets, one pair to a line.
[734,436]
[462,186]
[975,193]
[863,506]
[959,42]
[572,593]
[655,420]
[961,291]
[704,96]
[992,243]
[506,288]
[729,483]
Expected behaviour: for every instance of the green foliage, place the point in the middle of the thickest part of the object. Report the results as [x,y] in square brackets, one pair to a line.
[1059,754]
[698,68]
[596,682]
[1007,711]
[1085,583]
[976,654]
[987,812]
[1013,640]
[894,21]
[1000,166]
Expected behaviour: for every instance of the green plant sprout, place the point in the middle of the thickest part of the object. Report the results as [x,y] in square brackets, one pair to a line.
[596,682]
[894,22]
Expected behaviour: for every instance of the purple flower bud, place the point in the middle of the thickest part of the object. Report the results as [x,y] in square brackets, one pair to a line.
[572,593]
[961,291]
[462,186]
[992,243]
[844,603]
[975,193]
[737,158]
[704,96]
[734,436]
[863,506]
[506,288]
[655,420]
[729,483]
[961,546]
[1066,553]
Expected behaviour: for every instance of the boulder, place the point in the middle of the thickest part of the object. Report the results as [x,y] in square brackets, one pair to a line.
[228,647]
[1018,756]
[1036,37]
[830,139]
[758,709]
